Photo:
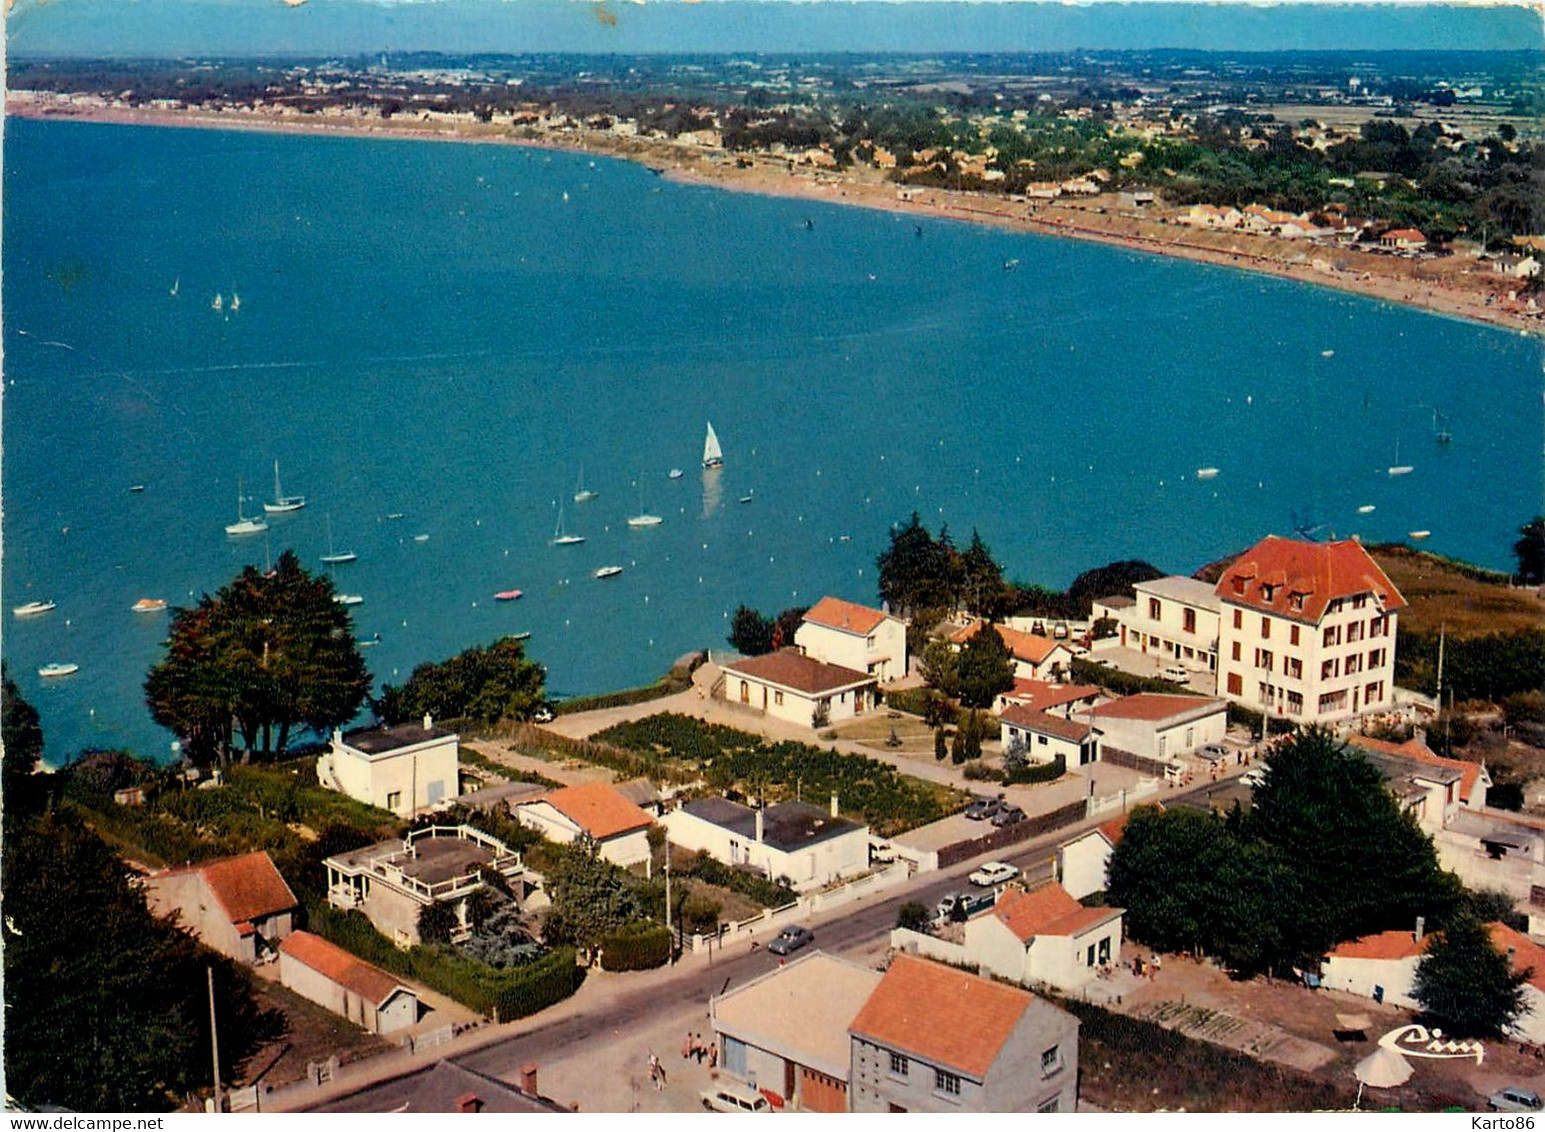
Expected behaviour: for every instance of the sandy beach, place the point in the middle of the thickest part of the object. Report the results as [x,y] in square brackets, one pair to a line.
[1455,285]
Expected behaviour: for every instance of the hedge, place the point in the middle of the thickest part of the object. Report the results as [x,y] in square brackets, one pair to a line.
[1037,772]
[1115,680]
[667,685]
[767,893]
[914,701]
[638,946]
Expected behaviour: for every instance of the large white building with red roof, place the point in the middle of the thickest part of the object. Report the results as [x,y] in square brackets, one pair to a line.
[239,906]
[596,810]
[791,686]
[1307,631]
[853,636]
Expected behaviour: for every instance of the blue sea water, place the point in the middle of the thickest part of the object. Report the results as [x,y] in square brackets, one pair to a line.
[434,330]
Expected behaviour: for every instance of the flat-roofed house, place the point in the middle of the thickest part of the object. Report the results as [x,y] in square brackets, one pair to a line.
[596,810]
[854,636]
[935,1039]
[805,844]
[402,769]
[1307,630]
[1046,736]
[1434,788]
[1174,618]
[239,906]
[1044,936]
[786,1032]
[791,686]
[361,992]
[1156,725]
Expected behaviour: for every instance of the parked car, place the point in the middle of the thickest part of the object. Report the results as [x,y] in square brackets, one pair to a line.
[543,714]
[992,873]
[791,940]
[983,808]
[732,1096]
[963,903]
[1515,1098]
[1176,674]
[1215,753]
[1253,777]
[881,852]
[1008,814]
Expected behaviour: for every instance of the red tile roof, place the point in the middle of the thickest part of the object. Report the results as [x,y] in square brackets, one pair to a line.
[793,669]
[366,980]
[835,613]
[1385,945]
[597,808]
[942,1015]
[1417,751]
[1114,829]
[1154,707]
[1406,234]
[1048,910]
[247,887]
[1022,646]
[1042,695]
[1315,572]
[1020,716]
[1521,951]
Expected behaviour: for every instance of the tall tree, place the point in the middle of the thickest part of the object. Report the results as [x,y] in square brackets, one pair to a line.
[750,632]
[589,896]
[916,571]
[984,668]
[1466,985]
[483,683]
[982,588]
[1530,550]
[21,748]
[267,654]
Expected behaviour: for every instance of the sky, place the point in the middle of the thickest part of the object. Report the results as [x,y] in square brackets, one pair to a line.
[312,27]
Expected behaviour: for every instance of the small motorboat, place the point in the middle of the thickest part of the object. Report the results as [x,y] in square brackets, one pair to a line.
[1417,536]
[136,488]
[1206,473]
[149,605]
[33,608]
[49,671]
[1365,509]
[348,599]
[420,538]
[676,473]
[508,595]
[608,571]
[525,636]
[394,515]
[746,498]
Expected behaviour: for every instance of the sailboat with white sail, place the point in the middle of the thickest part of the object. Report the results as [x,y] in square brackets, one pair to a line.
[562,537]
[713,455]
[1397,468]
[244,525]
[283,504]
[643,518]
[336,557]
[581,493]
[218,303]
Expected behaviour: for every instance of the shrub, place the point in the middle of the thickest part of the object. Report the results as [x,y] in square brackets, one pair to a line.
[699,913]
[913,916]
[667,685]
[638,946]
[1115,680]
[436,922]
[1037,772]
[980,772]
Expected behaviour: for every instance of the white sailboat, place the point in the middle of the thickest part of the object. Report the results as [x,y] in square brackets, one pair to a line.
[176,286]
[235,302]
[283,504]
[335,557]
[560,537]
[713,455]
[1397,468]
[244,525]
[581,493]
[643,518]
[218,303]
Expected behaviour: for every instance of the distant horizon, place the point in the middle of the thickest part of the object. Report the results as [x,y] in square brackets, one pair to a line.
[268,28]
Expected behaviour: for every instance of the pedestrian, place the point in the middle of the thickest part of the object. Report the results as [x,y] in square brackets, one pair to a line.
[654,1071]
[713,1056]
[660,1079]
[699,1051]
[686,1046]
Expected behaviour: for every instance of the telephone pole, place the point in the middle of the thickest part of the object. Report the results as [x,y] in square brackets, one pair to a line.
[214,1037]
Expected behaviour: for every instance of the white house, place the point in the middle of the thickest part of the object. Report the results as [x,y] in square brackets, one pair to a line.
[1082,861]
[239,906]
[361,992]
[1522,952]
[1044,936]
[1307,630]
[1034,657]
[1158,726]
[1381,967]
[1174,618]
[799,689]
[1434,788]
[1046,736]
[1044,696]
[596,809]
[402,769]
[854,636]
[807,845]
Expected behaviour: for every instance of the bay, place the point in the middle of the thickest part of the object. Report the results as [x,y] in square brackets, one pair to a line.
[449,331]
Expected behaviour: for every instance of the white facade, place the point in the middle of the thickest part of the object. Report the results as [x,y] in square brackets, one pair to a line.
[1081,864]
[403,769]
[1175,619]
[1381,967]
[800,689]
[1044,937]
[626,848]
[807,846]
[853,636]
[1047,736]
[1163,732]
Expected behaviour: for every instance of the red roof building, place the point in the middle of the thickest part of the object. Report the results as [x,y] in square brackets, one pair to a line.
[799,689]
[371,998]
[1045,936]
[239,906]
[853,636]
[1035,657]
[596,810]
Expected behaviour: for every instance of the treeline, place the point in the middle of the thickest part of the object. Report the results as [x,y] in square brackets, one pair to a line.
[1490,668]
[484,684]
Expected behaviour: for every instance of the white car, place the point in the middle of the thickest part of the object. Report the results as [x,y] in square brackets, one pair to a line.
[993,873]
[732,1096]
[1253,777]
[1176,674]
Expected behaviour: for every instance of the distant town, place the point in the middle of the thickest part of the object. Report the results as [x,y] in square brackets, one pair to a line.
[1236,840]
[1411,177]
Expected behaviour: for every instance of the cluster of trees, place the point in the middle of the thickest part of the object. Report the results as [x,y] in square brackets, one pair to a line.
[484,683]
[752,633]
[106,1006]
[926,578]
[977,674]
[266,655]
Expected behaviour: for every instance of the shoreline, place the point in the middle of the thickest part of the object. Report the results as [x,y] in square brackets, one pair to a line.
[1422,285]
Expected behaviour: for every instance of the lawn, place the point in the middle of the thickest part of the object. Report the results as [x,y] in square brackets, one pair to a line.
[1470,602]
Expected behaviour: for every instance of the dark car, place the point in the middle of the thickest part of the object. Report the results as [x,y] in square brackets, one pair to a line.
[983,808]
[1008,814]
[790,940]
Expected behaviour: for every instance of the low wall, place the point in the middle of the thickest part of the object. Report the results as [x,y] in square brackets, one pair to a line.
[772,920]
[1154,768]
[1121,800]
[928,946]
[1013,834]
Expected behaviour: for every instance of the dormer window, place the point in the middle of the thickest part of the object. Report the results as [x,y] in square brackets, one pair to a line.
[1238,583]
[1267,591]
[1297,601]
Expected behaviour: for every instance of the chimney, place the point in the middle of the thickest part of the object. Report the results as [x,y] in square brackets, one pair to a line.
[1419,734]
[1421,928]
[528,1079]
[429,721]
[338,736]
[469,1102]
[759,825]
[834,803]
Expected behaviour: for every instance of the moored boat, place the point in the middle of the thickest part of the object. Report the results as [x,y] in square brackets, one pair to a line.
[1206,473]
[713,455]
[676,473]
[562,537]
[33,608]
[244,525]
[608,571]
[148,605]
[57,669]
[582,494]
[283,504]
[1365,509]
[1417,536]
[347,599]
[508,595]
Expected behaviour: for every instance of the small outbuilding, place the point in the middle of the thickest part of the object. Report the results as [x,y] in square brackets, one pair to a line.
[329,976]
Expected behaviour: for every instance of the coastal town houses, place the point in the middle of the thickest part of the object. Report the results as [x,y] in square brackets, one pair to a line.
[393,881]
[1403,240]
[1155,725]
[1034,657]
[595,810]
[1044,696]
[1434,788]
[1307,630]
[402,769]
[935,1039]
[1044,936]
[1044,736]
[361,992]
[239,906]
[785,1033]
[1172,618]
[1082,861]
[796,688]
[446,1086]
[803,844]
[839,632]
